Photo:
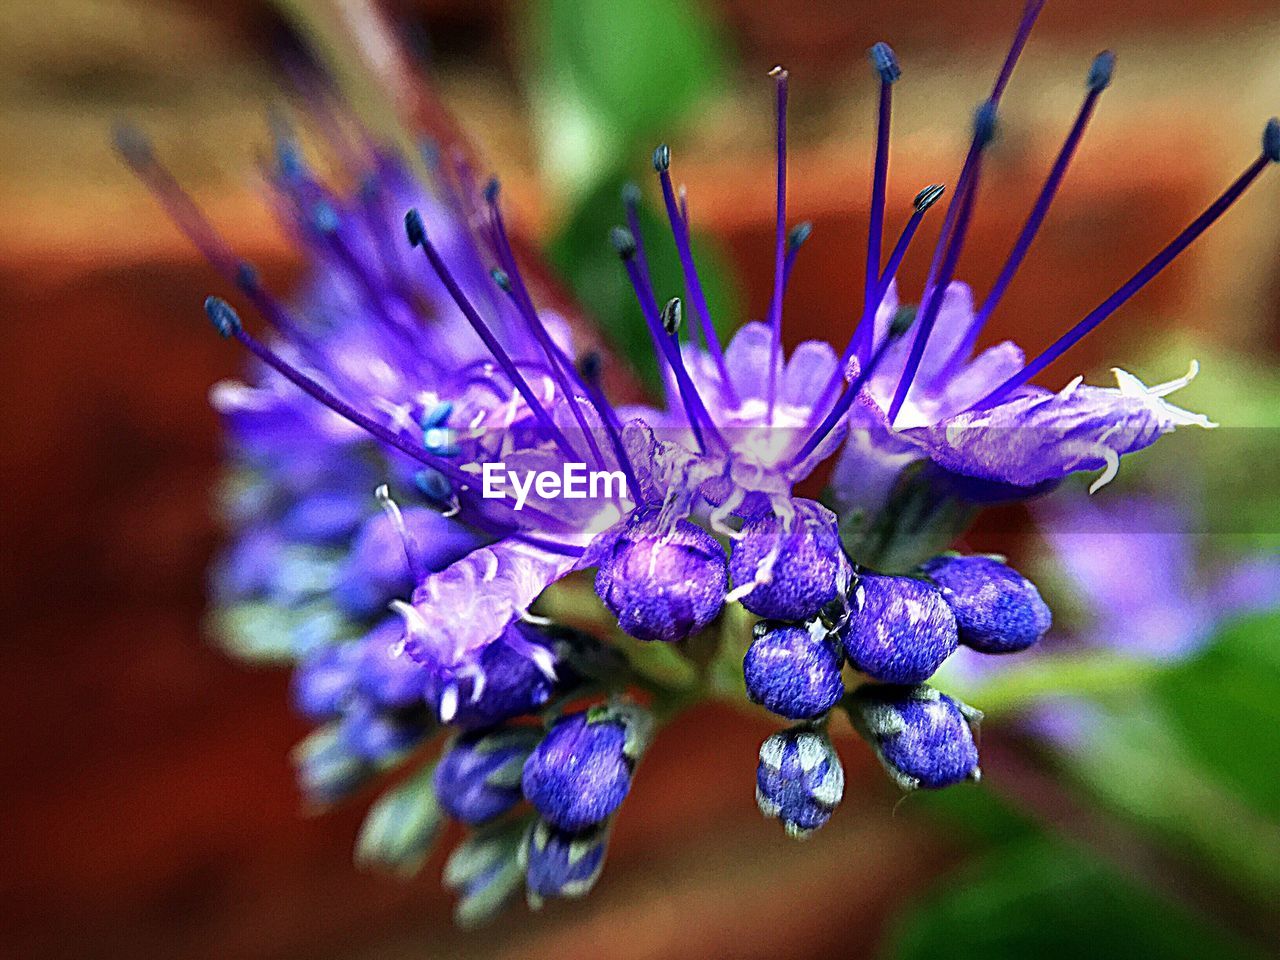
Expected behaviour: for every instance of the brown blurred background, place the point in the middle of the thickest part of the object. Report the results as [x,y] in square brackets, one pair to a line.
[148,806]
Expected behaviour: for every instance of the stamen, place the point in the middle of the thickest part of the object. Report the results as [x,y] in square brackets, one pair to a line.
[1270,154]
[1099,78]
[864,332]
[900,326]
[558,362]
[412,551]
[1030,12]
[984,131]
[680,232]
[227,322]
[695,411]
[795,240]
[137,152]
[781,78]
[631,203]
[984,128]
[417,232]
[886,65]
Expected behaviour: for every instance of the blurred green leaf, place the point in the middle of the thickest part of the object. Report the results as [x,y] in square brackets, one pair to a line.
[1135,763]
[608,76]
[582,254]
[1040,898]
[1095,673]
[1225,706]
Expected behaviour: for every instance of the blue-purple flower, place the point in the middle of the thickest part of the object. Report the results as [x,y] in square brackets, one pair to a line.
[373,544]
[581,771]
[794,670]
[924,738]
[799,779]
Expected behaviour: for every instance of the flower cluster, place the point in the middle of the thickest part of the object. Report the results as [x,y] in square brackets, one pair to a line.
[417,351]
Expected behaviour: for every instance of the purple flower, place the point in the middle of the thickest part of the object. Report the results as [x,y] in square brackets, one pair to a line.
[1136,565]
[789,568]
[997,610]
[663,584]
[510,677]
[901,631]
[581,772]
[799,780]
[478,779]
[923,737]
[325,681]
[560,864]
[793,671]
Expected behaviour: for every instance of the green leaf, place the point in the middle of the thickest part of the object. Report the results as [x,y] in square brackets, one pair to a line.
[1135,764]
[607,76]
[402,825]
[1041,898]
[1225,706]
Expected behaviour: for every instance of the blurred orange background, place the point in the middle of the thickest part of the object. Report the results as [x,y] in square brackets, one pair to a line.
[148,803]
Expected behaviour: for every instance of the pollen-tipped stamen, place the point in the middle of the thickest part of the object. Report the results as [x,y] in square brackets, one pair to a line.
[693,284]
[935,294]
[561,366]
[795,240]
[781,78]
[886,65]
[417,232]
[695,411]
[227,322]
[1270,154]
[1099,78]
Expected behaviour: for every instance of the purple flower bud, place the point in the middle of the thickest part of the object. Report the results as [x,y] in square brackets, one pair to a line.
[790,573]
[923,737]
[560,864]
[997,609]
[793,671]
[799,779]
[581,772]
[901,631]
[478,779]
[663,586]
[326,768]
[325,681]
[506,682]
[380,737]
[384,672]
